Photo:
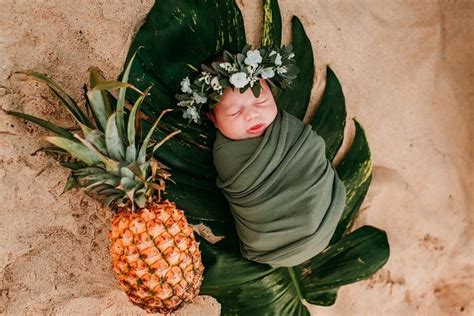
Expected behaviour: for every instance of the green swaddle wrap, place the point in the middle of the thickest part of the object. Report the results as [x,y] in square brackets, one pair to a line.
[285,196]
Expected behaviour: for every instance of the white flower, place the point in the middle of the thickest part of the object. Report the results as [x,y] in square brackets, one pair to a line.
[228,67]
[215,84]
[186,85]
[198,98]
[272,53]
[281,70]
[278,60]
[206,77]
[268,73]
[291,55]
[253,58]
[185,102]
[191,113]
[239,79]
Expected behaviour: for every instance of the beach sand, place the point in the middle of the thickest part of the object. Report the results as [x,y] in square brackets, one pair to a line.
[407,70]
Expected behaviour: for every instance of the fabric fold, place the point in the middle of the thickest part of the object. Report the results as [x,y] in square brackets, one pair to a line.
[285,196]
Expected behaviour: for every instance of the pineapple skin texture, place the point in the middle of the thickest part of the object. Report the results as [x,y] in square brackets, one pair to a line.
[156,257]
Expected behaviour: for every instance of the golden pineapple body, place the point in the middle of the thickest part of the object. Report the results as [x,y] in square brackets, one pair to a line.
[156,257]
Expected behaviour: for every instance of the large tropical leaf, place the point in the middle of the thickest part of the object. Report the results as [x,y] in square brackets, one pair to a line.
[182,32]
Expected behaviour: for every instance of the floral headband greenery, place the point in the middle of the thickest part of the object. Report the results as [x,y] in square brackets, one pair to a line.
[242,70]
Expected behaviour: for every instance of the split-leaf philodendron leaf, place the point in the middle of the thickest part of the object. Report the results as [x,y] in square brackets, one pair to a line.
[178,33]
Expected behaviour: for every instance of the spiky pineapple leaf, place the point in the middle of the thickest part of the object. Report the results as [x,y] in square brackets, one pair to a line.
[181,33]
[96,101]
[62,96]
[76,149]
[113,140]
[94,79]
[45,124]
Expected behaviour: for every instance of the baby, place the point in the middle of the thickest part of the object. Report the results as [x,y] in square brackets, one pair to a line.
[283,193]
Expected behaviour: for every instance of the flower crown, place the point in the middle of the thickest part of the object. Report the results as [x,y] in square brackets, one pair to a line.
[242,70]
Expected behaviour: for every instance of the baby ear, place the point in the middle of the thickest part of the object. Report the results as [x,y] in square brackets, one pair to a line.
[211,116]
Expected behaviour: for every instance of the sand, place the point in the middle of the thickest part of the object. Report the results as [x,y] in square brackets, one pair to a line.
[406,68]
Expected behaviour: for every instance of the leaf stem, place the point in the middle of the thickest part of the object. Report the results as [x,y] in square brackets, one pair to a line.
[295,282]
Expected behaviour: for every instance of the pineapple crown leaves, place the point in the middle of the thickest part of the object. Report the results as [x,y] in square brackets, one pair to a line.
[241,70]
[112,159]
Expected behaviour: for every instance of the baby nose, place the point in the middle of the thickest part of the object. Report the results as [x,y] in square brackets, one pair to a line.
[251,114]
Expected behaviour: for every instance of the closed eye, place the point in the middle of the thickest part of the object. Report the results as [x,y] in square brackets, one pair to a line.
[261,102]
[234,114]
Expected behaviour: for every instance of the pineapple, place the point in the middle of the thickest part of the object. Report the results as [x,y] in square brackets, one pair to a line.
[155,255]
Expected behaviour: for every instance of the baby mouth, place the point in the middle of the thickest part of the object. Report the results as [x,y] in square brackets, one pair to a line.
[256,128]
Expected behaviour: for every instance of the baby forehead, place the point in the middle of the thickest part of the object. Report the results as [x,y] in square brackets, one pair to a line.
[231,98]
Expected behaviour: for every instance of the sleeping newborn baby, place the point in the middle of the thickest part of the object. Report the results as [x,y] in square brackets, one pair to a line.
[284,194]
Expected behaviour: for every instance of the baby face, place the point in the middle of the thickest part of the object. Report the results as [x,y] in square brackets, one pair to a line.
[242,115]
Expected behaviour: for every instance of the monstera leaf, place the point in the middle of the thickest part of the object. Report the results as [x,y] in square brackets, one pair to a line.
[179,33]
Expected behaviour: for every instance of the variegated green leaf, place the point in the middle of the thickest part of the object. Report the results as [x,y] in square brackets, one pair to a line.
[271,34]
[330,119]
[295,99]
[355,171]
[208,26]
